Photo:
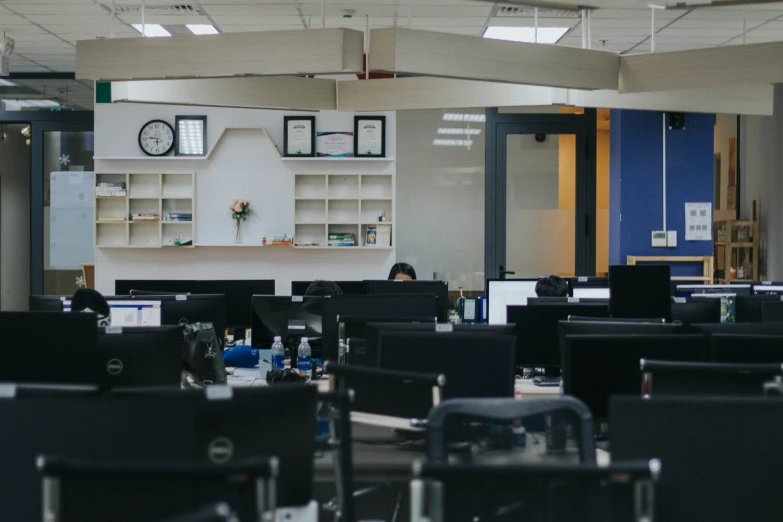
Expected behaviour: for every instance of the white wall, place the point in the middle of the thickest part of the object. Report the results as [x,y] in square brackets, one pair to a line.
[15,220]
[762,180]
[244,165]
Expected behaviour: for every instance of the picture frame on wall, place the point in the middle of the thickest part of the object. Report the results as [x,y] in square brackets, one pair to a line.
[299,136]
[369,136]
[190,135]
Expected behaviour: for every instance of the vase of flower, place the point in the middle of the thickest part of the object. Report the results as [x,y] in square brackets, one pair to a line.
[240,211]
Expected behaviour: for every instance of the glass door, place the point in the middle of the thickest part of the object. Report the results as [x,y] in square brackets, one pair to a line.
[541,202]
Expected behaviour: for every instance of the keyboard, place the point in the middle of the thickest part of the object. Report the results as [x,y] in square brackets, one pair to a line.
[546,381]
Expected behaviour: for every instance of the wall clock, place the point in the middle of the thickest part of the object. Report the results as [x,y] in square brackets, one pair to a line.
[156,138]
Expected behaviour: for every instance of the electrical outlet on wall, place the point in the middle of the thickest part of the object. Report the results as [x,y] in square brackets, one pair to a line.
[671,238]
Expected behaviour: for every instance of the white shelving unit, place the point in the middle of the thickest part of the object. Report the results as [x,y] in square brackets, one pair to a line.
[340,203]
[145,194]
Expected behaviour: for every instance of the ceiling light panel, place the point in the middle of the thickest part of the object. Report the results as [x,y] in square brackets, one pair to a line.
[202,29]
[152,30]
[546,35]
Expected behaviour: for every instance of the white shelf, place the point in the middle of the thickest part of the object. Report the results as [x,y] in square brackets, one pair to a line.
[153,158]
[341,248]
[325,159]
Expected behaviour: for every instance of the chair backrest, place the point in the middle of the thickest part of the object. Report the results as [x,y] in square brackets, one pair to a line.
[220,512]
[694,378]
[507,411]
[772,312]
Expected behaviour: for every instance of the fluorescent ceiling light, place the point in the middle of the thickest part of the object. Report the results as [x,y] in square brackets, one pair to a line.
[452,143]
[468,132]
[477,118]
[200,29]
[34,103]
[6,83]
[546,35]
[152,30]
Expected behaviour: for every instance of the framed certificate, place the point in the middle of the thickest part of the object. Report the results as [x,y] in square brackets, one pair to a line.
[299,136]
[369,136]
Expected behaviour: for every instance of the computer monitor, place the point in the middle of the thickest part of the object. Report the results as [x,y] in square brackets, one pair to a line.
[438,288]
[355,331]
[502,293]
[721,474]
[586,282]
[591,293]
[291,318]
[373,332]
[747,348]
[538,338]
[596,367]
[640,291]
[348,287]
[768,288]
[772,312]
[747,308]
[691,378]
[49,347]
[141,356]
[696,311]
[130,313]
[238,293]
[475,364]
[422,307]
[199,308]
[723,289]
[47,303]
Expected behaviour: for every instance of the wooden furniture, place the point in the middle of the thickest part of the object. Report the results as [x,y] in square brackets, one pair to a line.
[155,194]
[88,273]
[341,204]
[737,248]
[707,264]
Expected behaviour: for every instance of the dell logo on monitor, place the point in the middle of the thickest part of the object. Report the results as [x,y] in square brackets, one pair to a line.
[220,450]
[114,367]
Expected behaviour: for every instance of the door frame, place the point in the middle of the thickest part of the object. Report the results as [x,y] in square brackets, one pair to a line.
[498,127]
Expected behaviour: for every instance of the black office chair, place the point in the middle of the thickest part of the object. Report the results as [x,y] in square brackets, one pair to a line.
[220,512]
[696,378]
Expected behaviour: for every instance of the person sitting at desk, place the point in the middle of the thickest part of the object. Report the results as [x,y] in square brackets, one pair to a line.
[552,286]
[402,271]
[323,288]
[92,301]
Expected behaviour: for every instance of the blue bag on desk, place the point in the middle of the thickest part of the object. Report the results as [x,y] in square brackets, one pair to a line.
[241,356]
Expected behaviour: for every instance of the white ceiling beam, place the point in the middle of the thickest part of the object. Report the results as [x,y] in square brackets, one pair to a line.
[284,92]
[269,53]
[702,68]
[411,51]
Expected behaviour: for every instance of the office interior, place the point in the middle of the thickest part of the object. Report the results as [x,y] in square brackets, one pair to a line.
[589,196]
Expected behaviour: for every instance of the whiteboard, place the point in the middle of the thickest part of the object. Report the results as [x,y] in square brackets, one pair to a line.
[71,213]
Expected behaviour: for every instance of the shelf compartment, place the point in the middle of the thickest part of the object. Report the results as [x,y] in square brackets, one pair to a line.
[111,234]
[310,211]
[111,208]
[310,235]
[143,234]
[338,228]
[364,237]
[177,186]
[174,230]
[343,211]
[344,186]
[376,186]
[144,206]
[144,186]
[372,208]
[176,206]
[310,186]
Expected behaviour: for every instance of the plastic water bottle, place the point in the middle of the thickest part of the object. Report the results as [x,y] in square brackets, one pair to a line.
[278,354]
[304,359]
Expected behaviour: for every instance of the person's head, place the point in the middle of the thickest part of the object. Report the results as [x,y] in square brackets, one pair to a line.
[552,286]
[402,271]
[323,288]
[91,301]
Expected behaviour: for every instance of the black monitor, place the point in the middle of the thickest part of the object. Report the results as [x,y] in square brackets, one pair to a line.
[614,328]
[747,348]
[772,312]
[141,356]
[438,288]
[547,301]
[747,308]
[422,307]
[588,287]
[695,378]
[598,366]
[696,311]
[355,332]
[200,308]
[502,293]
[723,289]
[640,291]
[290,318]
[538,338]
[50,347]
[47,303]
[238,293]
[347,287]
[720,456]
[475,364]
[373,332]
[768,288]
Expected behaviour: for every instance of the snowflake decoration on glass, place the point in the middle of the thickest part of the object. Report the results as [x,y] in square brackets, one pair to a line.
[80,281]
[65,159]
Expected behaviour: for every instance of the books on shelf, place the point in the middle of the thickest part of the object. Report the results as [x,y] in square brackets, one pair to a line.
[110,190]
[341,240]
[278,240]
[378,235]
[178,217]
[145,216]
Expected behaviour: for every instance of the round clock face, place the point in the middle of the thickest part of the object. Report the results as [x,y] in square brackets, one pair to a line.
[156,138]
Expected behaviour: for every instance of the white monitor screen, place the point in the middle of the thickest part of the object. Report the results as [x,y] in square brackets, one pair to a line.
[768,289]
[591,293]
[130,313]
[508,292]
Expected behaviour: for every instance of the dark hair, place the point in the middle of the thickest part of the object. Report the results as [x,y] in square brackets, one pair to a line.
[552,286]
[402,268]
[88,298]
[323,288]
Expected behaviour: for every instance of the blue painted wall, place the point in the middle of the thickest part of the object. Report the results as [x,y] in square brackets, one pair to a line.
[636,183]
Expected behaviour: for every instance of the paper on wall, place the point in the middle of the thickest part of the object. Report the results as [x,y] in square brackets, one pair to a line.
[698,222]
